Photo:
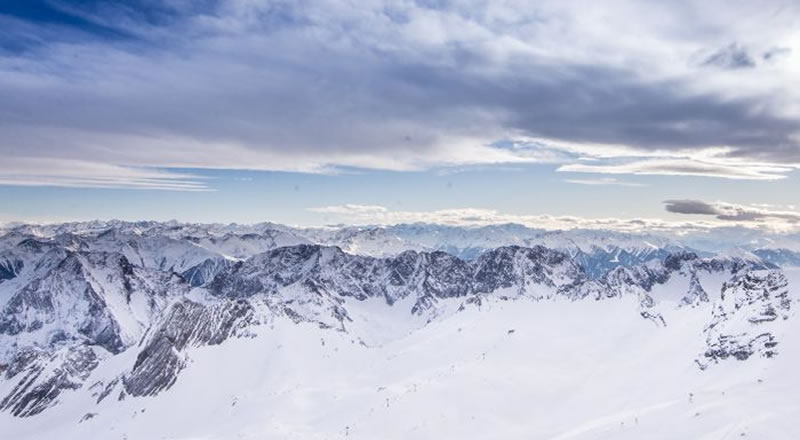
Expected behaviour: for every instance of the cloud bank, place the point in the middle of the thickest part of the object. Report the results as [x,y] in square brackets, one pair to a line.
[379,215]
[680,88]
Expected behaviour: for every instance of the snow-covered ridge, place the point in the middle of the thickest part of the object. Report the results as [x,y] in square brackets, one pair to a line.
[596,251]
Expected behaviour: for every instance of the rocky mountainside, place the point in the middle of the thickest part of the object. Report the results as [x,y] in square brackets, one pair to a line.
[596,252]
[117,313]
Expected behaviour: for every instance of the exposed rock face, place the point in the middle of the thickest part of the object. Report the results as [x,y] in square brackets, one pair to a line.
[637,279]
[63,296]
[186,323]
[40,377]
[523,270]
[747,320]
[93,297]
[429,276]
[68,307]
[644,279]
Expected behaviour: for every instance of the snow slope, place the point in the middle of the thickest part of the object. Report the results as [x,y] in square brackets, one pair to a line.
[512,370]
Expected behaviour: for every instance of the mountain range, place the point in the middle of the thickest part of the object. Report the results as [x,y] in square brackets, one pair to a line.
[136,329]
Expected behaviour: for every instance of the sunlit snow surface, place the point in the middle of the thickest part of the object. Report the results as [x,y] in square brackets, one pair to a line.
[508,370]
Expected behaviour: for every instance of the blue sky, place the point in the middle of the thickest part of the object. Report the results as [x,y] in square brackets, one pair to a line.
[293,198]
[331,111]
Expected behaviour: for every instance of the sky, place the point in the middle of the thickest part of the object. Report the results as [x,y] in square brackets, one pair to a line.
[560,114]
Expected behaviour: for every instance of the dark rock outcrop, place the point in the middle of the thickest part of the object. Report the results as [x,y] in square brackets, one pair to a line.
[745,322]
[187,323]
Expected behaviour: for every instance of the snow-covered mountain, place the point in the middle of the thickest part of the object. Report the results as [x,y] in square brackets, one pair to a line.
[151,330]
[596,252]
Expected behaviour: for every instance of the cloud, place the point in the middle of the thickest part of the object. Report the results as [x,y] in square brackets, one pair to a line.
[732,56]
[353,210]
[725,217]
[88,174]
[707,167]
[603,181]
[380,215]
[732,212]
[690,207]
[316,86]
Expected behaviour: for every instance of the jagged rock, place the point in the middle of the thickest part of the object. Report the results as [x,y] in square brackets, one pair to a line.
[106,391]
[522,271]
[87,416]
[187,323]
[428,276]
[41,377]
[87,297]
[64,294]
[747,319]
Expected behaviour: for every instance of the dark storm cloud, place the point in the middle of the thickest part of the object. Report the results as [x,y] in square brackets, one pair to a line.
[690,207]
[730,211]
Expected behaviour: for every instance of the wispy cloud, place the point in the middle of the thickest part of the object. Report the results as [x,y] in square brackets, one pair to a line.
[86,174]
[708,167]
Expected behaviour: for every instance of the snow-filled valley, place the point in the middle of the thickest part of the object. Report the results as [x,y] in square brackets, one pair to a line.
[293,340]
